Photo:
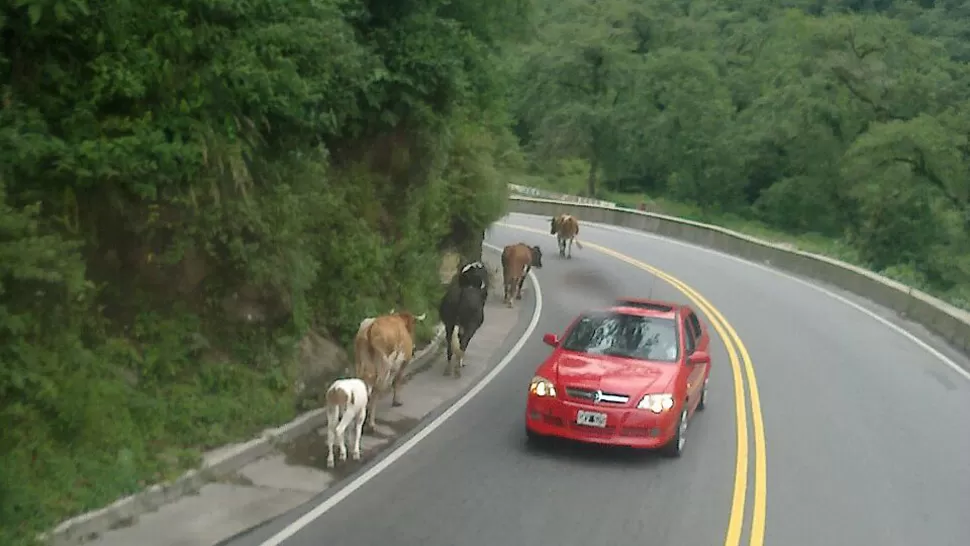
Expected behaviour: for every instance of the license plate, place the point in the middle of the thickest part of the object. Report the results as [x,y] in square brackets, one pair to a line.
[591,419]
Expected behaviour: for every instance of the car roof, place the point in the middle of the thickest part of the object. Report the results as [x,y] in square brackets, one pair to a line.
[648,307]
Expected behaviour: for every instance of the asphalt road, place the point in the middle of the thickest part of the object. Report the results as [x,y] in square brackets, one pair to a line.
[868,436]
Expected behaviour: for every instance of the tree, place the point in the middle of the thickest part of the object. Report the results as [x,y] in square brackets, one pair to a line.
[188,188]
[573,79]
[847,119]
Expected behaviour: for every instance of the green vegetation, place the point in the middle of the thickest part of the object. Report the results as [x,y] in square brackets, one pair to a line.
[187,188]
[840,126]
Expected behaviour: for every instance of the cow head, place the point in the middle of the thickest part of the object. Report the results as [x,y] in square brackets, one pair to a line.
[554,225]
[410,320]
[536,257]
[465,267]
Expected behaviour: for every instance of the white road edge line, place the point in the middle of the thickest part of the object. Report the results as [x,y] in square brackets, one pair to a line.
[895,327]
[401,450]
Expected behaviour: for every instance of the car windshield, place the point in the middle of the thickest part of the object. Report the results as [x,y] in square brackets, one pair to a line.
[629,336]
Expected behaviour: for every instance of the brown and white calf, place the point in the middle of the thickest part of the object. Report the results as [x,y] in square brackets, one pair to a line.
[517,261]
[565,228]
[383,348]
[346,410]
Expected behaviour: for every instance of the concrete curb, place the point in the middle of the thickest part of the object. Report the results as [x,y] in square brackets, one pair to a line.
[945,320]
[220,463]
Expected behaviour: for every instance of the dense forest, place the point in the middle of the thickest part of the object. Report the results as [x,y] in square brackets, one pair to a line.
[192,189]
[845,119]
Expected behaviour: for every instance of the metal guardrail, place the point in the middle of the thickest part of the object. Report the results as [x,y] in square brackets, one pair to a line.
[527,191]
[939,317]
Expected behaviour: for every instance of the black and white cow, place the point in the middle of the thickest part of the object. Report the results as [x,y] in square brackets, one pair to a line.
[474,274]
[462,310]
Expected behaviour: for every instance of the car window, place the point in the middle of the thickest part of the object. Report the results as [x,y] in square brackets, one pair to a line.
[690,342]
[695,324]
[630,336]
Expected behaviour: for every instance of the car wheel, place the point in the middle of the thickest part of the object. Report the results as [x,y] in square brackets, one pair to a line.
[702,403]
[532,438]
[675,447]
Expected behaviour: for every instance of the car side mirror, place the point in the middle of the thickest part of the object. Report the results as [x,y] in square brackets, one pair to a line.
[699,357]
[551,339]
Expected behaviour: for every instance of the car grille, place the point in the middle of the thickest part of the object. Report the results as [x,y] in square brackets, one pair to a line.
[593,431]
[587,395]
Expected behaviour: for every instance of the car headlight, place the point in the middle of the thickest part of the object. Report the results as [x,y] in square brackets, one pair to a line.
[657,403]
[542,387]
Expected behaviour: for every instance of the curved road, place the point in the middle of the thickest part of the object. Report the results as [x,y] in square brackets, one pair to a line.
[867,434]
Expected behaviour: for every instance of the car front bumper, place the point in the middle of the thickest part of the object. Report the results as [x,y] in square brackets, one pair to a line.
[625,426]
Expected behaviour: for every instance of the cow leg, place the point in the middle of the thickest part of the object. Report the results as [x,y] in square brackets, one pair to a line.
[395,400]
[453,367]
[569,253]
[341,448]
[518,294]
[356,431]
[333,415]
[509,289]
[340,430]
[460,361]
[464,338]
[371,423]
[449,331]
[462,345]
[456,366]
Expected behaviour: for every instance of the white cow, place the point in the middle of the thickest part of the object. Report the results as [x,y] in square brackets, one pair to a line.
[348,397]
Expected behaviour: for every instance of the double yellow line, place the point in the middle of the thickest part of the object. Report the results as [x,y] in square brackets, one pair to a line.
[740,363]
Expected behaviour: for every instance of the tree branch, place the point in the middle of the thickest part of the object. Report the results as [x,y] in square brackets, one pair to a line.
[862,53]
[845,78]
[922,169]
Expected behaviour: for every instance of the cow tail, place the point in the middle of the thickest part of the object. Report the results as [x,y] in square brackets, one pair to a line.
[577,243]
[369,337]
[381,380]
[372,353]
[455,342]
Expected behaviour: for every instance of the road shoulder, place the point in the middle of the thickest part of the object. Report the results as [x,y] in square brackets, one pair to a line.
[292,473]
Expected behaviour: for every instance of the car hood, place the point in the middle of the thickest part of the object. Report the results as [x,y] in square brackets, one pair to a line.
[612,374]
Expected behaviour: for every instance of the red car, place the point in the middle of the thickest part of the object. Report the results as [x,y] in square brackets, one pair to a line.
[630,375]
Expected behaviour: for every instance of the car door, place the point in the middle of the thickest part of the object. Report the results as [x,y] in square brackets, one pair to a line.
[695,374]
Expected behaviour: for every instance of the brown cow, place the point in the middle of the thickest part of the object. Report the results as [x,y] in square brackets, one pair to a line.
[565,227]
[383,348]
[517,261]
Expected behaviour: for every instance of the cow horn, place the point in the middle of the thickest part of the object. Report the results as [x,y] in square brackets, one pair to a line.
[421,317]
